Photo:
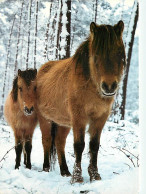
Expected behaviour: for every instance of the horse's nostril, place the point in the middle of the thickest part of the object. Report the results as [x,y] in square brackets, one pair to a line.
[114,86]
[105,86]
[109,88]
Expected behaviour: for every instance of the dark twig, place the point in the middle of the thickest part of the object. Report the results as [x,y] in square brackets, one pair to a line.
[127,155]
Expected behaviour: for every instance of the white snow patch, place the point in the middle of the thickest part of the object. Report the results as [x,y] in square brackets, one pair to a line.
[117,172]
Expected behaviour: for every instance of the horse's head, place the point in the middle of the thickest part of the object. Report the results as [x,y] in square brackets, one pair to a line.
[24,90]
[107,57]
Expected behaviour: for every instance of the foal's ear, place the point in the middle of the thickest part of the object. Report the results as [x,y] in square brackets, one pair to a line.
[19,72]
[35,72]
[93,27]
[119,27]
[15,89]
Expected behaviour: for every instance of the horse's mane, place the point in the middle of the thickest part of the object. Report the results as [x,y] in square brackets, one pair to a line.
[104,40]
[81,57]
[28,76]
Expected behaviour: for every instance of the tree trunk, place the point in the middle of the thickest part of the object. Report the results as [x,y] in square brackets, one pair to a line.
[18,41]
[29,25]
[63,45]
[96,10]
[59,29]
[7,62]
[129,54]
[68,27]
[36,29]
[47,34]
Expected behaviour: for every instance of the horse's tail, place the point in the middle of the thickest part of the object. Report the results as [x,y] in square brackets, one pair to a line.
[53,148]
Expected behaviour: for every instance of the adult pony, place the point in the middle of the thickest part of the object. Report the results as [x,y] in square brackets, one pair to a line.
[78,91]
[20,113]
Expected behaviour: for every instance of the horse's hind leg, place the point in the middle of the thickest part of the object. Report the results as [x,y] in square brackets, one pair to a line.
[60,141]
[45,127]
[18,150]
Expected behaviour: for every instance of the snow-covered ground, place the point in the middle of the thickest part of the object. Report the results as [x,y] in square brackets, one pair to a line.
[119,176]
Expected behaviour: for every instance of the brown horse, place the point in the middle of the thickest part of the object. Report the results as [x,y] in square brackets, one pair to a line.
[20,113]
[78,91]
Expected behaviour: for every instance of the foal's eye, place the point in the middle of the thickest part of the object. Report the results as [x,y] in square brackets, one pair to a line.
[20,89]
[35,88]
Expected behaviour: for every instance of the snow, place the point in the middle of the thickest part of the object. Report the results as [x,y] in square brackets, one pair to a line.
[118,173]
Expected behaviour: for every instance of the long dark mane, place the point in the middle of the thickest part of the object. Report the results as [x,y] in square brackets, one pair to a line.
[104,40]
[81,58]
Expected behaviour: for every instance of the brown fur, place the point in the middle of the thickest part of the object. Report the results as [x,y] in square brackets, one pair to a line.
[76,91]
[23,95]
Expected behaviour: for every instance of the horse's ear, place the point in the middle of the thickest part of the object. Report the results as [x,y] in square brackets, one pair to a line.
[119,27]
[15,89]
[93,27]
[19,72]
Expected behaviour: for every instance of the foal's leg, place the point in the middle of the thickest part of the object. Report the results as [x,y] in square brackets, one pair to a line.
[45,127]
[95,129]
[60,141]
[79,144]
[18,150]
[28,148]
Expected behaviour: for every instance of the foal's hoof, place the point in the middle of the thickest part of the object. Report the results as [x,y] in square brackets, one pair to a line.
[46,169]
[65,173]
[17,167]
[28,166]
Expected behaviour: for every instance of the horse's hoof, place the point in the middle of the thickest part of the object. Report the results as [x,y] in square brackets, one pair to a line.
[17,166]
[97,177]
[93,173]
[46,169]
[77,174]
[77,180]
[65,173]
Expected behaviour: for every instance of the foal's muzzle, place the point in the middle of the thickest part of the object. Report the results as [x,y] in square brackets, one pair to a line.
[28,111]
[109,89]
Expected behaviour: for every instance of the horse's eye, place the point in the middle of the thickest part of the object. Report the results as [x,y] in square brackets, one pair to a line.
[35,88]
[20,89]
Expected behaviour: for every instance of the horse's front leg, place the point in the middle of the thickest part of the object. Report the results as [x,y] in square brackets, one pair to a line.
[79,144]
[95,129]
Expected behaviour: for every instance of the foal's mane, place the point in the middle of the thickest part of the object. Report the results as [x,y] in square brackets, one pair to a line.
[104,40]
[28,76]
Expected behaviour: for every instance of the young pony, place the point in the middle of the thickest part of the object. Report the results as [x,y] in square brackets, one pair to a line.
[78,91]
[20,113]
